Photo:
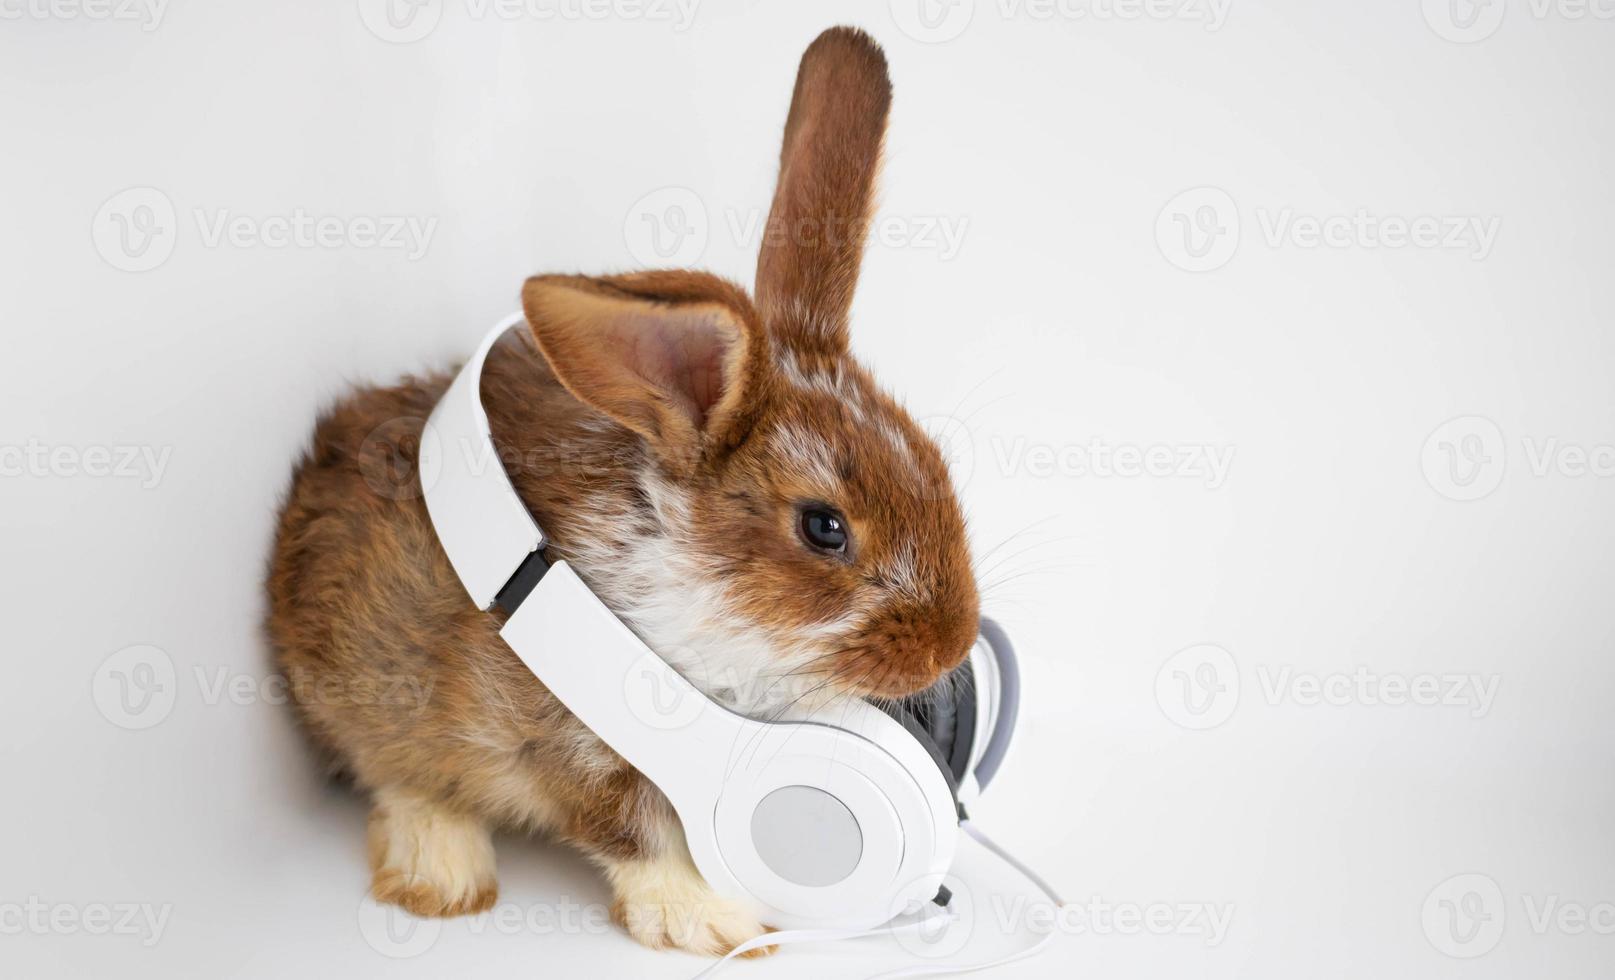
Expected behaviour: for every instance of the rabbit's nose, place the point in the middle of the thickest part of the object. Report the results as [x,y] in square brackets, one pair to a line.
[919,644]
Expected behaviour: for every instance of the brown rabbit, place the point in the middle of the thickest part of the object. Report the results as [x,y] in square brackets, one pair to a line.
[723,474]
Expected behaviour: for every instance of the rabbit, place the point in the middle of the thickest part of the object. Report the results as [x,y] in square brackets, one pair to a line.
[719,470]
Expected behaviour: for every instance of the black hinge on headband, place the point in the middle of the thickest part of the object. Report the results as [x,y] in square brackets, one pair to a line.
[523,582]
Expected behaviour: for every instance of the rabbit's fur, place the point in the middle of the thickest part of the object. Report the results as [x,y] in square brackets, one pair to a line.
[666,432]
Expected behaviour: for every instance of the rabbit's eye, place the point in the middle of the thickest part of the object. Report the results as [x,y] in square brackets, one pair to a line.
[824,529]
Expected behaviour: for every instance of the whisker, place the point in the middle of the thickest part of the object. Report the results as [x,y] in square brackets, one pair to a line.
[1025,530]
[792,732]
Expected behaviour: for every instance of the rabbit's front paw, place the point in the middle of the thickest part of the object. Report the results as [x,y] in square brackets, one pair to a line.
[430,860]
[666,904]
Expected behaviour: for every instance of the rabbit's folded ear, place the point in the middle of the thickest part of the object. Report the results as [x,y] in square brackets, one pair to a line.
[678,357]
[814,239]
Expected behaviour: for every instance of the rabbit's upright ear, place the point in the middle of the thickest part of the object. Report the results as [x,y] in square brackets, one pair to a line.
[816,229]
[678,357]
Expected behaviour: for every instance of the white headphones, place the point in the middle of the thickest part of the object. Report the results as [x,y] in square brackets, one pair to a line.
[839,818]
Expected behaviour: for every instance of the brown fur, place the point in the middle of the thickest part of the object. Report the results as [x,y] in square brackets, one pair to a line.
[647,415]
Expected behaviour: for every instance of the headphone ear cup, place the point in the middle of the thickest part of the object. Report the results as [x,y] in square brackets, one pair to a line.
[907,714]
[954,719]
[1005,701]
[943,719]
[948,718]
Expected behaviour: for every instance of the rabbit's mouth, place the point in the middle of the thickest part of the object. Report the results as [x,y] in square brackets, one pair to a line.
[891,680]
[907,649]
[897,671]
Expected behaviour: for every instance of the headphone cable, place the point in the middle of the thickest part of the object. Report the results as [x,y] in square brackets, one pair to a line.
[794,936]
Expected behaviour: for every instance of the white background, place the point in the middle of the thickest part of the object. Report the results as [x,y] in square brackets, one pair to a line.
[1063,319]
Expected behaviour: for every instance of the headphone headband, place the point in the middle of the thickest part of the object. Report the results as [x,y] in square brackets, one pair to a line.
[485,528]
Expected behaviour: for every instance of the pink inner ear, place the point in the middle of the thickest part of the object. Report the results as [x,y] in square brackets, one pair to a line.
[681,352]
